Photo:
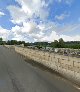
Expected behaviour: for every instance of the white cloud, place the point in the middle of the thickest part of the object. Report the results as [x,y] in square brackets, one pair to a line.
[4,33]
[70,38]
[69,2]
[30,27]
[28,10]
[68,28]
[17,15]
[62,16]
[25,32]
[20,33]
[2,14]
[54,36]
[57,33]
[31,31]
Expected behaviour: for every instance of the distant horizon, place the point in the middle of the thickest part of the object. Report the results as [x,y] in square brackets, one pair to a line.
[40,41]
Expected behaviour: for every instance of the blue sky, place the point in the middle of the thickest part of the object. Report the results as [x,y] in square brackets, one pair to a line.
[40,20]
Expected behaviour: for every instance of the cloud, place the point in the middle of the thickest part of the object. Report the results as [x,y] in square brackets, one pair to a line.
[62,16]
[68,28]
[45,32]
[28,35]
[17,15]
[2,14]
[54,36]
[26,15]
[30,31]
[27,29]
[69,2]
[4,33]
[70,38]
[29,9]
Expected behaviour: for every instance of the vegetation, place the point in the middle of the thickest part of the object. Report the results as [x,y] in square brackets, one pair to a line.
[1,41]
[56,44]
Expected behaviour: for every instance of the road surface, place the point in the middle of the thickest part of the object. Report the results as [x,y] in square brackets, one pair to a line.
[16,75]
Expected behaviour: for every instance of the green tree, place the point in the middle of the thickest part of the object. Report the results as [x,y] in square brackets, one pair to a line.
[61,43]
[56,44]
[1,39]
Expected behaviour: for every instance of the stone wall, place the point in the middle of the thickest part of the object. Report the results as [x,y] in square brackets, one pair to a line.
[67,66]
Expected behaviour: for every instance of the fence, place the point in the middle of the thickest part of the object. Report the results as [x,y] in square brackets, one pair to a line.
[67,66]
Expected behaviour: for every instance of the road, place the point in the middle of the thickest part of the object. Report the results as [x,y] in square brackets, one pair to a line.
[16,75]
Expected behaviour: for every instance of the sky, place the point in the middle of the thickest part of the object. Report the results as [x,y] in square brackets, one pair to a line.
[40,20]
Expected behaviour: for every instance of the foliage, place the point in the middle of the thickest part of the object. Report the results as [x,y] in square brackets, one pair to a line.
[56,44]
[1,39]
[61,43]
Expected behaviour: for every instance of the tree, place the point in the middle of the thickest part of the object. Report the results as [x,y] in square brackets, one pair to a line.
[1,39]
[61,43]
[56,44]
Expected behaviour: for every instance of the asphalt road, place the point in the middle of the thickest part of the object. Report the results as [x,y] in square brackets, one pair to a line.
[16,75]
